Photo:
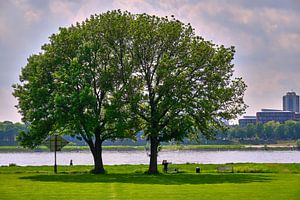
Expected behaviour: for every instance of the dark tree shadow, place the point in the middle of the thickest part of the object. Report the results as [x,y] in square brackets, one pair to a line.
[169,179]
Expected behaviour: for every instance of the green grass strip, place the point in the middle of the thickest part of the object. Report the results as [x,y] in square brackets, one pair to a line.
[278,181]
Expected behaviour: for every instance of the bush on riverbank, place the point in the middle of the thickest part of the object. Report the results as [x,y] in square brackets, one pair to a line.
[298,144]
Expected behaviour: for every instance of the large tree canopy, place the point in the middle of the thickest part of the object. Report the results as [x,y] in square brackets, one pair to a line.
[117,73]
[181,84]
[74,86]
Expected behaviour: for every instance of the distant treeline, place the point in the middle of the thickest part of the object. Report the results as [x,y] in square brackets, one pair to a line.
[290,130]
[9,132]
[253,133]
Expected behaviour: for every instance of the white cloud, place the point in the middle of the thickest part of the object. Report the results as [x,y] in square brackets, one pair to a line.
[8,111]
[77,11]
[289,42]
[90,7]
[135,6]
[4,32]
[30,13]
[62,9]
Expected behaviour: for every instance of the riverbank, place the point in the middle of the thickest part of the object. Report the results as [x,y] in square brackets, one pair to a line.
[274,147]
[248,181]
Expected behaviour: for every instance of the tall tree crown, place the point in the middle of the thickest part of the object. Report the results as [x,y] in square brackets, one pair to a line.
[117,73]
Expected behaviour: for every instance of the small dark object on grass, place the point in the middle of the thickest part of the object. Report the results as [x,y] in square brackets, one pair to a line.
[71,162]
[223,169]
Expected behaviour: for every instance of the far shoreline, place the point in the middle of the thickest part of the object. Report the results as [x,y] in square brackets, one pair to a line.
[237,147]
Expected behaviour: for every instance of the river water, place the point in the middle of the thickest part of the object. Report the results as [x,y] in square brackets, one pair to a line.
[140,157]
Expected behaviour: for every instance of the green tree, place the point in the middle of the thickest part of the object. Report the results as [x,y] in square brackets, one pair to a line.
[269,130]
[8,126]
[9,131]
[292,129]
[182,85]
[280,133]
[74,86]
[298,144]
[118,72]
[250,131]
[259,130]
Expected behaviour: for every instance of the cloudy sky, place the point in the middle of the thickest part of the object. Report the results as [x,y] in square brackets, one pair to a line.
[266,34]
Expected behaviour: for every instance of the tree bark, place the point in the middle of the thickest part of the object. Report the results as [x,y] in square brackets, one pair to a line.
[153,155]
[98,163]
[97,153]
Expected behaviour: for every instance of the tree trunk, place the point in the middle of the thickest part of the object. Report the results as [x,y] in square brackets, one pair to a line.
[98,163]
[153,155]
[97,155]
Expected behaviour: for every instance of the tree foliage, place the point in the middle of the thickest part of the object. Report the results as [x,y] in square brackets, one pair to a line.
[182,84]
[117,73]
[73,86]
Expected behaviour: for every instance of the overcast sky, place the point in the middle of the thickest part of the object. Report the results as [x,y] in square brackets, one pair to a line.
[266,35]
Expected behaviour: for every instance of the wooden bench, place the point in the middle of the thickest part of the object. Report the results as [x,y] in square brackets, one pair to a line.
[223,169]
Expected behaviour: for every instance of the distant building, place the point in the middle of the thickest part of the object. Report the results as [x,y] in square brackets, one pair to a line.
[290,102]
[297,116]
[280,116]
[247,120]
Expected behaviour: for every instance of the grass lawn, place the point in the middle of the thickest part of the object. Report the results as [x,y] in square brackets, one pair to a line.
[269,181]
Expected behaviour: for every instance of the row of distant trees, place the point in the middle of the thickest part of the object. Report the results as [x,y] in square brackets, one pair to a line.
[9,132]
[290,130]
[9,136]
[10,127]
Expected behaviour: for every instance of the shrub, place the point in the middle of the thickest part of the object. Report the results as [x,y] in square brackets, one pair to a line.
[298,144]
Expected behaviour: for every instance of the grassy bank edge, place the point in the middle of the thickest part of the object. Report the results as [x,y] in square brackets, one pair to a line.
[283,168]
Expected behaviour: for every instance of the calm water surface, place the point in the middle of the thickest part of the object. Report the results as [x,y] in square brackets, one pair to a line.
[140,157]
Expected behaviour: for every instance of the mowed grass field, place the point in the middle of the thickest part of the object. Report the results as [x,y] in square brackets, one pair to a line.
[249,181]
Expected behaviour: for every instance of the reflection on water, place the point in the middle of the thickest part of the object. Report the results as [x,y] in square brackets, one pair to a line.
[140,157]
